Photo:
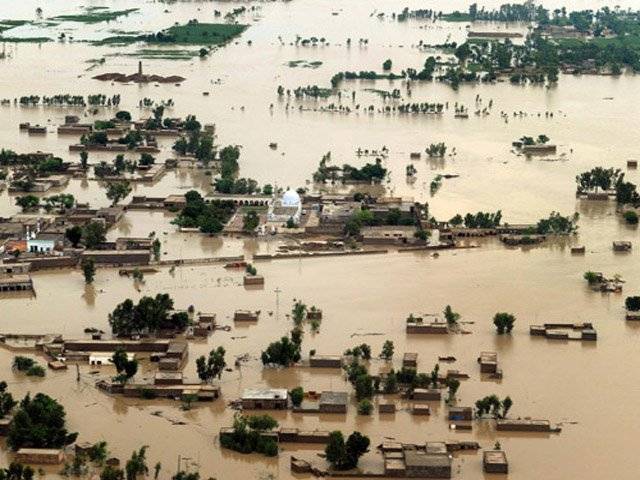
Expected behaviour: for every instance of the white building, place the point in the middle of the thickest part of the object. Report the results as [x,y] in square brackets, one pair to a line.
[289,206]
[44,242]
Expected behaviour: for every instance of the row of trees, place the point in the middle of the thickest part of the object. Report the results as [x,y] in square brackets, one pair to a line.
[479,220]
[370,172]
[493,405]
[60,202]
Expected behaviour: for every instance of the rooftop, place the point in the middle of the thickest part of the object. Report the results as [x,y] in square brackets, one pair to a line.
[334,398]
[414,458]
[265,394]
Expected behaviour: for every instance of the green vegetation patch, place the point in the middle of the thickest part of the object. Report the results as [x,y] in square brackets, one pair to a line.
[194,33]
[26,39]
[9,24]
[118,40]
[95,15]
[456,17]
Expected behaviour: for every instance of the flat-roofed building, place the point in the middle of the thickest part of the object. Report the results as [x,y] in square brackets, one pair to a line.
[334,402]
[265,399]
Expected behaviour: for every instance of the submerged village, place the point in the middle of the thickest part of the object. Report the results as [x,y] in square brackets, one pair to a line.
[302,239]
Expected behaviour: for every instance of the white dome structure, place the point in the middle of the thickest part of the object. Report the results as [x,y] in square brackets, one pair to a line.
[286,208]
[290,199]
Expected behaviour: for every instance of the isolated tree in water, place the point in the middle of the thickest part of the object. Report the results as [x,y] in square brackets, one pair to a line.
[211,367]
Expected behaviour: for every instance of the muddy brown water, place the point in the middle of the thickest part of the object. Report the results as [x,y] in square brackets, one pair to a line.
[591,384]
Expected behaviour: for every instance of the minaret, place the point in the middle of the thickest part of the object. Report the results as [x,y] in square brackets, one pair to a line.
[140,68]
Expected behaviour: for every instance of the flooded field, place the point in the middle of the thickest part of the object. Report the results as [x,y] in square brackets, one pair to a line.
[585,387]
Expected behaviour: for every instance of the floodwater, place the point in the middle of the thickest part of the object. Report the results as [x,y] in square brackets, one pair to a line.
[589,384]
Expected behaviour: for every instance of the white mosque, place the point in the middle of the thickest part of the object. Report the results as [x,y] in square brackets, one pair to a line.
[289,206]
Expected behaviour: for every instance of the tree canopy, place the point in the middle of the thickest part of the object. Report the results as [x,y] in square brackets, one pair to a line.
[149,315]
[345,455]
[39,422]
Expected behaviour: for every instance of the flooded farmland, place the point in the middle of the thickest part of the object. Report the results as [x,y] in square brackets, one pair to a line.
[581,386]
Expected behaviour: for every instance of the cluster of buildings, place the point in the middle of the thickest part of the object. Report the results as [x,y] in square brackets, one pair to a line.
[565,331]
[322,214]
[40,240]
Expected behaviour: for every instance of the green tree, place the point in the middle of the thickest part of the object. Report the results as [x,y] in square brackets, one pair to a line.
[16,471]
[123,116]
[364,386]
[297,395]
[345,455]
[28,202]
[463,52]
[336,450]
[94,233]
[387,64]
[631,217]
[150,314]
[250,221]
[116,191]
[592,277]
[156,247]
[88,269]
[98,453]
[365,407]
[74,235]
[246,436]
[137,464]
[390,382]
[211,367]
[632,303]
[453,384]
[387,350]
[504,322]
[507,403]
[7,403]
[22,364]
[450,316]
[298,313]
[146,160]
[39,423]
[282,352]
[352,227]
[126,368]
[112,473]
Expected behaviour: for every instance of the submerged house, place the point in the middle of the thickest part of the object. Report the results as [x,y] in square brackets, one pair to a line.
[265,399]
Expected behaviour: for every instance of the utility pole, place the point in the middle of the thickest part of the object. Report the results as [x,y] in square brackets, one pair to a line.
[277,291]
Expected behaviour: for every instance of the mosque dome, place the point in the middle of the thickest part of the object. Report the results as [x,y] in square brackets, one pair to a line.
[290,199]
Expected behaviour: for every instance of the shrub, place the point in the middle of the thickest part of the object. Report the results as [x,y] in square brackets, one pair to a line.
[297,395]
[504,322]
[631,217]
[632,303]
[364,407]
[36,371]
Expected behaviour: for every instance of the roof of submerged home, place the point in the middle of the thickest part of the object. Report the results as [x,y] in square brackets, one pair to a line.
[334,398]
[420,459]
[265,394]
